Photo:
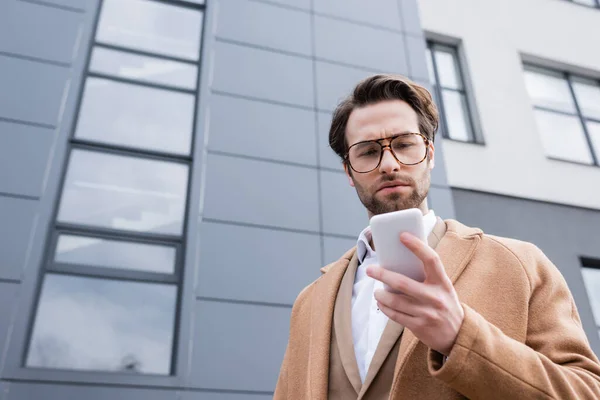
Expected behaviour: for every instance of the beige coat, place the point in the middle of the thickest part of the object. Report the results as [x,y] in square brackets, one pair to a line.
[521,337]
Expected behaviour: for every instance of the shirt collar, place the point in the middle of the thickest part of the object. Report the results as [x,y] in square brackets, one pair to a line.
[363,248]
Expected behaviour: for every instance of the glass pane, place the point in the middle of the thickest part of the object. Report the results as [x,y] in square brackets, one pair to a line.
[562,136]
[588,97]
[103,325]
[99,252]
[143,68]
[136,116]
[151,26]
[550,91]
[447,68]
[124,193]
[430,66]
[594,132]
[457,115]
[586,2]
[591,278]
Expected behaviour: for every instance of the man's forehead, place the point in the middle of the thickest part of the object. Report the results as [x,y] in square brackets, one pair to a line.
[381,119]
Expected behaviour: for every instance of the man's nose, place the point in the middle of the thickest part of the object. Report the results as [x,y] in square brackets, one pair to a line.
[389,163]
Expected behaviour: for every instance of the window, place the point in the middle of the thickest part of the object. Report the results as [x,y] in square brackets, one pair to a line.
[567,113]
[450,92]
[110,287]
[589,3]
[591,278]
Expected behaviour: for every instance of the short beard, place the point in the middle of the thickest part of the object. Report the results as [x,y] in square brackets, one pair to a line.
[395,201]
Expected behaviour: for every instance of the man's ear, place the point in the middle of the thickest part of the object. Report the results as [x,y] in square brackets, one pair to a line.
[431,156]
[348,174]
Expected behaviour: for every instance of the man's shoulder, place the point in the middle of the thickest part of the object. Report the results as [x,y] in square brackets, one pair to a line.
[517,248]
[506,251]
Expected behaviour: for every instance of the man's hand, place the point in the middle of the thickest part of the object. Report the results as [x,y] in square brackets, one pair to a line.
[431,310]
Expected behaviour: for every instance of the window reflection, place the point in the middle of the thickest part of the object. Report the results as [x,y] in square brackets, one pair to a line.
[588,97]
[85,250]
[124,193]
[457,115]
[447,68]
[143,68]
[136,116]
[151,26]
[591,278]
[103,325]
[563,136]
[549,91]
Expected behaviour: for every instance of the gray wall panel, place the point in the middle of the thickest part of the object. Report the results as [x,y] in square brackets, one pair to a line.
[343,213]
[302,4]
[8,297]
[24,153]
[438,174]
[31,91]
[440,200]
[334,82]
[371,47]
[17,216]
[260,192]
[337,247]
[38,391]
[417,65]
[263,74]
[73,4]
[38,31]
[563,233]
[260,22]
[239,347]
[385,13]
[327,157]
[410,16]
[259,129]
[237,261]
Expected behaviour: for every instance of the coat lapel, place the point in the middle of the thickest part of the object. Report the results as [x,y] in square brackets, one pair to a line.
[456,248]
[325,293]
[393,330]
[342,319]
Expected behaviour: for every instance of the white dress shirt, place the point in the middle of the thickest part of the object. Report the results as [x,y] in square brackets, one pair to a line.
[368,322]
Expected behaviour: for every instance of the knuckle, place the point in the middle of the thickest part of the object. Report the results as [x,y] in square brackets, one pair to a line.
[432,258]
[438,302]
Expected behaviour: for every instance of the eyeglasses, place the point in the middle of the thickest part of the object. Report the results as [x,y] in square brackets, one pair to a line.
[407,149]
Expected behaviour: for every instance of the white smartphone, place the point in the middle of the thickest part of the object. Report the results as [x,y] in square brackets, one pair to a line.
[391,253]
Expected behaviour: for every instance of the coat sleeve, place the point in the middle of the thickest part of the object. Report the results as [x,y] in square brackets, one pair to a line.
[555,362]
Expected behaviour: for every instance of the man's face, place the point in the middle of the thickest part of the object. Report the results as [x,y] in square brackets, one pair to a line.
[382,120]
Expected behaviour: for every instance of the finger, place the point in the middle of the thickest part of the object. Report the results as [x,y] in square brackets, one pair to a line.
[399,302]
[398,282]
[397,316]
[434,269]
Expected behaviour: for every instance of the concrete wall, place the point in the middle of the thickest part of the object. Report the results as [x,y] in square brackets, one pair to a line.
[563,233]
[269,203]
[494,37]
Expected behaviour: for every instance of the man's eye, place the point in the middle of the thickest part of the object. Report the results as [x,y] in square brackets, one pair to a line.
[367,153]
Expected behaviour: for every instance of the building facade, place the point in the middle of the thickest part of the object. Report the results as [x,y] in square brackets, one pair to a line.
[166,186]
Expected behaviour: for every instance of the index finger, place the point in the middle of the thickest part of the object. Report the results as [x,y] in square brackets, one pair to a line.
[434,269]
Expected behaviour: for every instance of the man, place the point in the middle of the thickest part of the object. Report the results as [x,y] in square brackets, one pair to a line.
[494,319]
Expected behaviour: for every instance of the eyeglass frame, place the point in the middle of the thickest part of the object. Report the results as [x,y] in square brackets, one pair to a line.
[383,147]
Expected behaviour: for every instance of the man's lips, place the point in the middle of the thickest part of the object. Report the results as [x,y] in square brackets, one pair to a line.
[391,185]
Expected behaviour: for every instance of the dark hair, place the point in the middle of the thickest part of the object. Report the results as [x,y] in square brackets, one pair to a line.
[381,88]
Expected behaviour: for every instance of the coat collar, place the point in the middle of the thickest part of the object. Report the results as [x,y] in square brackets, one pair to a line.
[455,249]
